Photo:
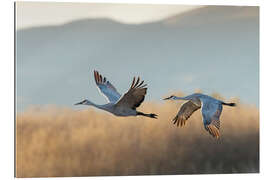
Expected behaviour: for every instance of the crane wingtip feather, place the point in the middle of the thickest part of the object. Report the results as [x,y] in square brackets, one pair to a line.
[213,131]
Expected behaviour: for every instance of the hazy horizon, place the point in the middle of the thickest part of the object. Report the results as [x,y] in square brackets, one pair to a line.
[214,49]
[122,13]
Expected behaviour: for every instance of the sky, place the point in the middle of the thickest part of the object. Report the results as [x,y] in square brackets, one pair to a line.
[31,14]
[214,49]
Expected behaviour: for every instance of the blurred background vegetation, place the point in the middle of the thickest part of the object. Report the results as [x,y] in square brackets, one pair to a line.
[56,141]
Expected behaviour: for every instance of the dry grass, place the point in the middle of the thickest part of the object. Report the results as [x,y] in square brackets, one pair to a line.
[54,141]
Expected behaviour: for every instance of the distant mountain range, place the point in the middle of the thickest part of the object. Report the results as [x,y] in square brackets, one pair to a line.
[214,48]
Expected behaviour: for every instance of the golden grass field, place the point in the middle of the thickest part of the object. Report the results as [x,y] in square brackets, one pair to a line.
[56,141]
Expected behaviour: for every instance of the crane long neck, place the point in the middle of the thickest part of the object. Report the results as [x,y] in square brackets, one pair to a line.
[182,98]
[89,103]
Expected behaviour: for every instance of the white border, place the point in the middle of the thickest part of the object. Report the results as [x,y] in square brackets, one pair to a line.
[183,2]
[7,85]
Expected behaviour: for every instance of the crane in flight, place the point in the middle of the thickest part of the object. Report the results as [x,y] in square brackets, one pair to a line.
[211,109]
[120,105]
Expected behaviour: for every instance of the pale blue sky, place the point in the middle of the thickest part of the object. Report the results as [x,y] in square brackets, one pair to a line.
[215,49]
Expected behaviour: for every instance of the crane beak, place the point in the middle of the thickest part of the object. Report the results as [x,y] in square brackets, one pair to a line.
[78,103]
[167,98]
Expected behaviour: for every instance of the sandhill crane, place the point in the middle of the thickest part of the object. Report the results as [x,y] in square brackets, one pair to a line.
[211,109]
[120,105]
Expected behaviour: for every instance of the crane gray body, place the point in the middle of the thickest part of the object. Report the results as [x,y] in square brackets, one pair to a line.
[120,105]
[211,109]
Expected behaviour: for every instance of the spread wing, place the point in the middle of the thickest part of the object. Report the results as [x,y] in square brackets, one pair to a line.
[135,95]
[185,112]
[211,113]
[106,88]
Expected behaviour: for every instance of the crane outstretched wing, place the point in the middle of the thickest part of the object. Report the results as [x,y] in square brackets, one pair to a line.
[106,88]
[211,113]
[185,112]
[135,95]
